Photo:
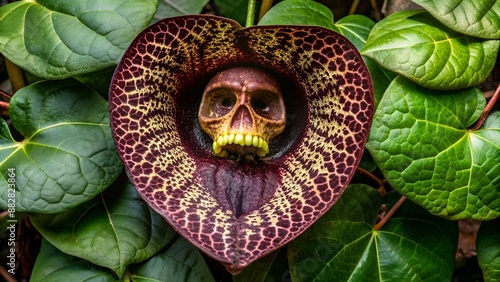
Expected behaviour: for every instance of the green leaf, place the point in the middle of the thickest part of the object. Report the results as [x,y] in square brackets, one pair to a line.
[257,271]
[471,17]
[179,262]
[57,39]
[67,156]
[488,250]
[173,8]
[356,28]
[381,79]
[421,142]
[343,246]
[98,81]
[300,12]
[424,245]
[54,265]
[417,46]
[233,9]
[279,270]
[112,230]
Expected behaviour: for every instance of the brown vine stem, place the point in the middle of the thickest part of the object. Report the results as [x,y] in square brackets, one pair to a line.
[354,7]
[5,94]
[380,183]
[264,7]
[4,105]
[6,275]
[487,110]
[15,75]
[376,11]
[389,214]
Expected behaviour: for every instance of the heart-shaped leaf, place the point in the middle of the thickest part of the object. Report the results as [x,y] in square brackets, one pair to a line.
[328,95]
[257,271]
[173,8]
[471,17]
[299,12]
[233,9]
[356,28]
[67,156]
[421,142]
[381,79]
[417,46]
[53,265]
[62,38]
[488,249]
[181,261]
[343,246]
[112,230]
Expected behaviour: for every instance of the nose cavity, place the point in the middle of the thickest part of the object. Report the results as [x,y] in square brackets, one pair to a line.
[242,119]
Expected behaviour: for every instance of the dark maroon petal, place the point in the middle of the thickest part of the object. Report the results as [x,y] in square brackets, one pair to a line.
[236,212]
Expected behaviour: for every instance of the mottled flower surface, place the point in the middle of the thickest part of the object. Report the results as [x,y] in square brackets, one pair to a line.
[235,210]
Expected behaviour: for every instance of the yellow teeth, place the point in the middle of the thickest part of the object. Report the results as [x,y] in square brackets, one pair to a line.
[242,140]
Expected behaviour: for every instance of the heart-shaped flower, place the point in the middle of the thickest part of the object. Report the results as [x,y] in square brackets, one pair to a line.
[233,209]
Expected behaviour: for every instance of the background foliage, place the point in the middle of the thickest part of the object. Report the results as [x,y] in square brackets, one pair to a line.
[435,140]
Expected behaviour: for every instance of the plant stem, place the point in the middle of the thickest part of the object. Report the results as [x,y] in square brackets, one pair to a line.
[376,11]
[380,183]
[5,94]
[354,7]
[487,110]
[389,214]
[4,105]
[264,7]
[6,275]
[15,75]
[250,13]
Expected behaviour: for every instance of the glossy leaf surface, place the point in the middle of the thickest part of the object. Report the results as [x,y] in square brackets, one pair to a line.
[57,39]
[204,197]
[113,230]
[299,12]
[54,265]
[257,271]
[173,8]
[181,261]
[417,46]
[343,246]
[67,156]
[233,9]
[356,28]
[488,249]
[471,17]
[421,142]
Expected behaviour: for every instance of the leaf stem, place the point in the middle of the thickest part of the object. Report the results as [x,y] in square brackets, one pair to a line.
[4,105]
[376,11]
[250,13]
[487,110]
[15,75]
[6,275]
[264,7]
[380,183]
[389,214]
[354,7]
[5,94]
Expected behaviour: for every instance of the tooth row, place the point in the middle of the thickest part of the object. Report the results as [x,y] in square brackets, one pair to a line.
[242,140]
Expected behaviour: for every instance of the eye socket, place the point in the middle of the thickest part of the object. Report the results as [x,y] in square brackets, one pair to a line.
[260,106]
[268,105]
[221,103]
[227,102]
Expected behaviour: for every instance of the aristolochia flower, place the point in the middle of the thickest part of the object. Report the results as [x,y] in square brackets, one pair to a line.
[240,137]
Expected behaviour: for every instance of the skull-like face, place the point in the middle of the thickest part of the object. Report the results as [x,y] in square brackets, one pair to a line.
[242,109]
